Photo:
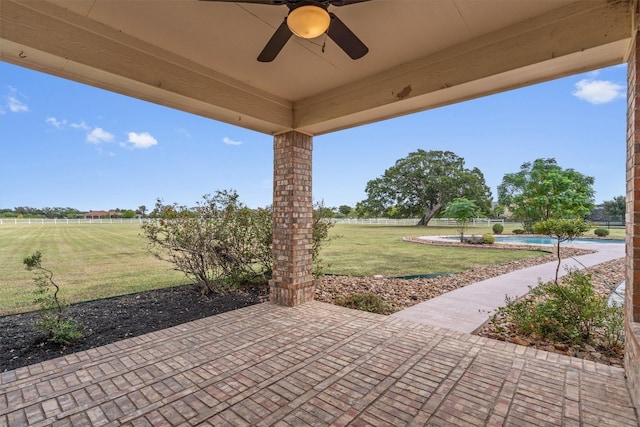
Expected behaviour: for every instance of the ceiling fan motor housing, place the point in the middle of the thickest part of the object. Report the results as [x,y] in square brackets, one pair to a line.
[308,20]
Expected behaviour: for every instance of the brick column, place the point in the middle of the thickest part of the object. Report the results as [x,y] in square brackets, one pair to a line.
[292,280]
[632,278]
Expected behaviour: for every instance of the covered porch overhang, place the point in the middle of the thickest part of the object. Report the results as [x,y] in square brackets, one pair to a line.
[200,57]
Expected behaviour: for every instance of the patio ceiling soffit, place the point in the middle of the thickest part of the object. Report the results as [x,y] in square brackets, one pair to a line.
[578,37]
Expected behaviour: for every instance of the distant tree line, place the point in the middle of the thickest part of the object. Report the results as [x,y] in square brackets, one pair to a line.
[425,184]
[60,212]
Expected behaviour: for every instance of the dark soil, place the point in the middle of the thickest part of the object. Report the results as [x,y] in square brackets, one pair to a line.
[112,319]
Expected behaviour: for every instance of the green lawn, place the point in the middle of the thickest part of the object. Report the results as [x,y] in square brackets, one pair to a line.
[366,250]
[89,261]
[92,261]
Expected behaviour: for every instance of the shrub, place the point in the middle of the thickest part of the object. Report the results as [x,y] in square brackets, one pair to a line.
[498,228]
[488,239]
[60,329]
[322,224]
[214,243]
[518,231]
[365,302]
[221,244]
[569,312]
[601,232]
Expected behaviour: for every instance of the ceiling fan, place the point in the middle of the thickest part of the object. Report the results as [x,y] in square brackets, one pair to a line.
[309,19]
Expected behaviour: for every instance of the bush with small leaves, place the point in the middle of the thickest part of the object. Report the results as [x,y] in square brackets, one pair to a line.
[222,244]
[601,232]
[217,243]
[488,239]
[569,312]
[518,231]
[498,228]
[59,327]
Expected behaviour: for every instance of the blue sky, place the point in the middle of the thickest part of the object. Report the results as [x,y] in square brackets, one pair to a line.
[63,144]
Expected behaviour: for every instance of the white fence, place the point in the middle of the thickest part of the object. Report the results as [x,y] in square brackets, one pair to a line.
[5,221]
[476,222]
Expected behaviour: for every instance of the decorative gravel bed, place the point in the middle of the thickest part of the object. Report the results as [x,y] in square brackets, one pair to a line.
[403,293]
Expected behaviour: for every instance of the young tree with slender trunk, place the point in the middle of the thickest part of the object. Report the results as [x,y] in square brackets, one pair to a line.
[462,210]
[543,190]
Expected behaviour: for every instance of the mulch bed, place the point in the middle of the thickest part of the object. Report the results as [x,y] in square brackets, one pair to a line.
[112,319]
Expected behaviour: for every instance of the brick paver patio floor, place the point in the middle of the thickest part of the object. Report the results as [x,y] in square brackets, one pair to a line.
[316,364]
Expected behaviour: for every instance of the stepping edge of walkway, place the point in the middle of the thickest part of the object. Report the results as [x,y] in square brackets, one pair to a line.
[466,309]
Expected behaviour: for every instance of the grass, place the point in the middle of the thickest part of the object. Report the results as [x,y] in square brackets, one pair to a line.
[89,261]
[367,250]
[93,261]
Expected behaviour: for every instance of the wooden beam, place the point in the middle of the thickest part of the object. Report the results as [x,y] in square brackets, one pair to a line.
[593,33]
[48,38]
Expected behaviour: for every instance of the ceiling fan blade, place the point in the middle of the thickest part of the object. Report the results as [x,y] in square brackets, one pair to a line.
[276,43]
[273,2]
[293,2]
[345,38]
[345,2]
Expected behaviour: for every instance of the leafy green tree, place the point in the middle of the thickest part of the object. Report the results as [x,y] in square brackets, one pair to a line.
[563,230]
[423,183]
[362,211]
[616,208]
[462,210]
[345,209]
[128,213]
[542,190]
[142,209]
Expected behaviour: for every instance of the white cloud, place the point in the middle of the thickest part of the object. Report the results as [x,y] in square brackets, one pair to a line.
[99,135]
[81,126]
[14,104]
[598,91]
[64,124]
[141,140]
[17,106]
[58,124]
[230,141]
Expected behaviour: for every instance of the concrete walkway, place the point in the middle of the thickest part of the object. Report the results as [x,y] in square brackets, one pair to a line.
[466,309]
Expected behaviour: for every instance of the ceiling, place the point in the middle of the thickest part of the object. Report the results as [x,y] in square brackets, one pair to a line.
[200,56]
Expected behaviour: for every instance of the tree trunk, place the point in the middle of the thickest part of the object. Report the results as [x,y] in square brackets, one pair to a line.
[559,261]
[429,213]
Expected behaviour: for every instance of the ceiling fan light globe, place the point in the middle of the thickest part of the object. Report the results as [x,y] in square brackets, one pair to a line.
[308,21]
